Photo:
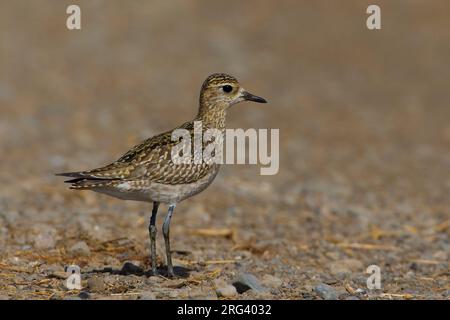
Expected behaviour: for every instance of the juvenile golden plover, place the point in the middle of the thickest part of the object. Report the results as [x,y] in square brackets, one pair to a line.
[147,172]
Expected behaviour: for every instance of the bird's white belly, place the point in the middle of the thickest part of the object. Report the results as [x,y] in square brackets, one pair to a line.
[165,193]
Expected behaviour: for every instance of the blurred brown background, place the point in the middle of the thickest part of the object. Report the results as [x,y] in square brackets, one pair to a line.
[364,142]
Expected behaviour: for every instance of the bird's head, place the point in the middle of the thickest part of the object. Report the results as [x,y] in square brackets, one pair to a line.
[220,91]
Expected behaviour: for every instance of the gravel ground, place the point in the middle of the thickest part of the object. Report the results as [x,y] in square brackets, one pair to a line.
[364,148]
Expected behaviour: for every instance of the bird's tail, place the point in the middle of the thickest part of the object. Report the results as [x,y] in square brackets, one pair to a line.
[82,181]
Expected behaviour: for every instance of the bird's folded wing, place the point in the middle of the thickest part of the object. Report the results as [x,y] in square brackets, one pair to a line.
[150,160]
[131,164]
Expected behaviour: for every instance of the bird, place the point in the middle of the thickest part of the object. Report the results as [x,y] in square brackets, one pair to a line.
[148,173]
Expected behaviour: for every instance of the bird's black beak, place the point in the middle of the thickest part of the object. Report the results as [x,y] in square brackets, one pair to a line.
[251,97]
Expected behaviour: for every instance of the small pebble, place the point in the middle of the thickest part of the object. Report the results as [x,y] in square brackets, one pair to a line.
[247,281]
[271,281]
[96,284]
[130,268]
[45,239]
[80,248]
[410,274]
[226,291]
[84,295]
[326,292]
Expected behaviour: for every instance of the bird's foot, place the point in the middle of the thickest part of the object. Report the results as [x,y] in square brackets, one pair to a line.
[170,273]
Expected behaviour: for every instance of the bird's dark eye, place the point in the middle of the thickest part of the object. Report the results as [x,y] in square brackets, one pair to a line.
[227,88]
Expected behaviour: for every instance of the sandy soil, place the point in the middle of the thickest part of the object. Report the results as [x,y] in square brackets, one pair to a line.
[364,148]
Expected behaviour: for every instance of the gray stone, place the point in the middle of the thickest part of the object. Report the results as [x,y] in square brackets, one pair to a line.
[130,268]
[45,239]
[84,295]
[271,281]
[80,248]
[247,281]
[326,292]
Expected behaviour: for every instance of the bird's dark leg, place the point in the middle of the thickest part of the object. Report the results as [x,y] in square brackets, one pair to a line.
[152,233]
[165,230]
